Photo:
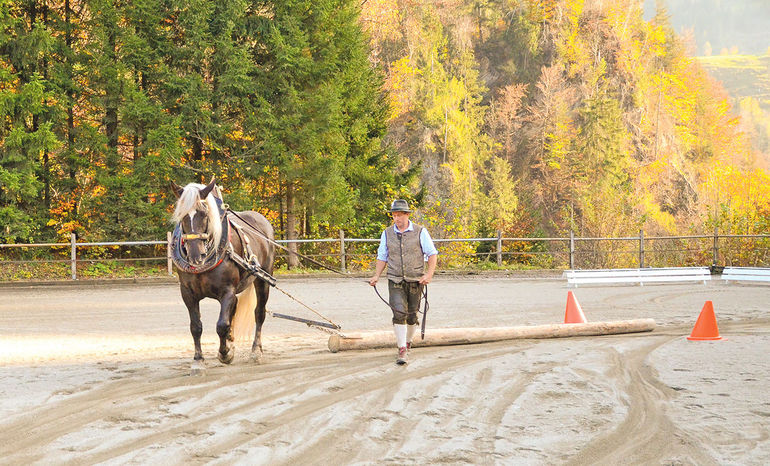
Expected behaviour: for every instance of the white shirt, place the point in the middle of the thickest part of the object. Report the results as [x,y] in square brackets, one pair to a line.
[426,242]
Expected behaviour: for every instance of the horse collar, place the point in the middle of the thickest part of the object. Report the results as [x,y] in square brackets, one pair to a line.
[213,259]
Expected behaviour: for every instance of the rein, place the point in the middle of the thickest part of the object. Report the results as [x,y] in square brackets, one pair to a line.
[424,312]
[280,246]
[226,209]
[275,243]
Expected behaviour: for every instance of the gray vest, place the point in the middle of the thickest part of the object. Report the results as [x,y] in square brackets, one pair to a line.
[405,256]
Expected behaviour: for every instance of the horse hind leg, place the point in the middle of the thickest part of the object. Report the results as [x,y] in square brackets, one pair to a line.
[263,292]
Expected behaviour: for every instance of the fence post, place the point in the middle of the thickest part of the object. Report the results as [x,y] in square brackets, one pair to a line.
[168,253]
[641,249]
[499,248]
[342,250]
[73,256]
[716,246]
[571,249]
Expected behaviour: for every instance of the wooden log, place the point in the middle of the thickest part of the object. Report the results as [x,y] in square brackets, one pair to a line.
[464,336]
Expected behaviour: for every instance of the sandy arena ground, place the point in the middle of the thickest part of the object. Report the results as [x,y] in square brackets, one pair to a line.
[102,375]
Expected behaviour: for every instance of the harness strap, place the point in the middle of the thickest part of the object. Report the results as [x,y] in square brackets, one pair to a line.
[252,267]
[214,257]
[280,246]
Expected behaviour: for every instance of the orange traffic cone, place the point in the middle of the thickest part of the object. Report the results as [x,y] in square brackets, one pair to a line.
[706,325]
[574,314]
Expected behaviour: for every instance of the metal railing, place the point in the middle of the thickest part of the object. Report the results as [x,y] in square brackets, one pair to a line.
[545,253]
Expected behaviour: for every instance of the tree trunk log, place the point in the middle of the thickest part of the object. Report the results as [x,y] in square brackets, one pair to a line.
[464,336]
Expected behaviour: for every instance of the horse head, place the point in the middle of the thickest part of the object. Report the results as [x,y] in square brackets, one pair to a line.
[198,215]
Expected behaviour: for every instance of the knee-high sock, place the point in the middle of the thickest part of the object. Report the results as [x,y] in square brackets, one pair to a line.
[410,331]
[400,330]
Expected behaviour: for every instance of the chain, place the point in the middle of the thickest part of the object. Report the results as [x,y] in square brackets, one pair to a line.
[317,327]
[280,246]
[310,309]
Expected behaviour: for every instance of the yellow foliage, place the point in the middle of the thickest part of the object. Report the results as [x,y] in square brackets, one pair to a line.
[743,196]
[662,220]
[397,84]
[362,263]
[381,19]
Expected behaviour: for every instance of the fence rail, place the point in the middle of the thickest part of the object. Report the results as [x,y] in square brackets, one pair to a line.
[716,250]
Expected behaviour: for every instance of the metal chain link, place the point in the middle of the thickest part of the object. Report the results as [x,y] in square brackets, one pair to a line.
[310,309]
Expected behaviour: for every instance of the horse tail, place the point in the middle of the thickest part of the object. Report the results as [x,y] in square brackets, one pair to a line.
[243,321]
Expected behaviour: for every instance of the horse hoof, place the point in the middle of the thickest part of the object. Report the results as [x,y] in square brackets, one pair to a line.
[256,357]
[226,358]
[198,368]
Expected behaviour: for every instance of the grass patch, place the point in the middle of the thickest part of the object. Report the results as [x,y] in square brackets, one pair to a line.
[51,271]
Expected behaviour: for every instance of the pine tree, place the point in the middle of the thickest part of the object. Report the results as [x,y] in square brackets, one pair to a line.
[26,136]
[320,120]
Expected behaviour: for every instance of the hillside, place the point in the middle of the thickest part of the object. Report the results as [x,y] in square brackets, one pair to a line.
[742,75]
[739,26]
[543,117]
[746,78]
[530,117]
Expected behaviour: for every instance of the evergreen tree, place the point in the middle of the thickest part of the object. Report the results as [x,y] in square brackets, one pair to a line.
[67,79]
[320,116]
[26,135]
[152,140]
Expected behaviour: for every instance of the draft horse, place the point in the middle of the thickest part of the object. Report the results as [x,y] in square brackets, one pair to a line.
[209,247]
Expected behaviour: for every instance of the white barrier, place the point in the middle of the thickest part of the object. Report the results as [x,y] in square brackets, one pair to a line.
[754,274]
[640,276]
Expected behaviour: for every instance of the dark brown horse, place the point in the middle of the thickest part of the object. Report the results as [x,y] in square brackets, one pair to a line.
[206,240]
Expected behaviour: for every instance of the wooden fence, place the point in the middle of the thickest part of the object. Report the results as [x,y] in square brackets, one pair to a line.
[351,254]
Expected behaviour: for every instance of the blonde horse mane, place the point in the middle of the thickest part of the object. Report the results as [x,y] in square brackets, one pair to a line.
[188,202]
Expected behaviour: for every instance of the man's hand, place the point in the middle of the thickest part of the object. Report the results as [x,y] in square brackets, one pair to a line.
[377,272]
[428,275]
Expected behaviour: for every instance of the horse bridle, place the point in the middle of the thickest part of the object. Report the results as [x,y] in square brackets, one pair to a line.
[192,236]
[214,253]
[204,236]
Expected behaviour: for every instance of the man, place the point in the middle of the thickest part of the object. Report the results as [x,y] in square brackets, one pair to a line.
[404,248]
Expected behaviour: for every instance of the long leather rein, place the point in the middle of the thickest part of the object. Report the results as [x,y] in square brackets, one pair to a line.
[215,256]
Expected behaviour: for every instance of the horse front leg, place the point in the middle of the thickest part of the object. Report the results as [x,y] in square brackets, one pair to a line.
[263,292]
[224,328]
[196,329]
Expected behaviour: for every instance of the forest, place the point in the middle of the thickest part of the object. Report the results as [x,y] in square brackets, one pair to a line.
[531,117]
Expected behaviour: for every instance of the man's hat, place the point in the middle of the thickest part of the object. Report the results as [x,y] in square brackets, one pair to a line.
[400,205]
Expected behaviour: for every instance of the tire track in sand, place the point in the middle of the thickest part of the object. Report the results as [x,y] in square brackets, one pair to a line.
[376,394]
[366,378]
[142,396]
[647,435]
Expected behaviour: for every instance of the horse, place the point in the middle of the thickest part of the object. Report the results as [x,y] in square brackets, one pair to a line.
[209,245]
